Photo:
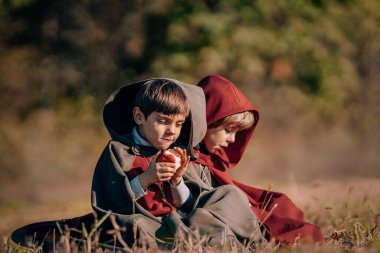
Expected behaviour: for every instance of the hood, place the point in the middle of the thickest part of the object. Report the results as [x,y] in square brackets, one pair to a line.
[118,114]
[224,99]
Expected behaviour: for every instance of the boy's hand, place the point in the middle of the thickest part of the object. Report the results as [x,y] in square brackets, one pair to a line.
[157,172]
[185,159]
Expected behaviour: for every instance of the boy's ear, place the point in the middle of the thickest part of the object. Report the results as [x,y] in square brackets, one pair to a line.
[138,115]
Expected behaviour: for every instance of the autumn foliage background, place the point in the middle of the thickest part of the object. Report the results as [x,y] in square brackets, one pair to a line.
[311,67]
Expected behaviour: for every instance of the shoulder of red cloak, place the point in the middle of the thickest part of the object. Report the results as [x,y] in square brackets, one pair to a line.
[217,168]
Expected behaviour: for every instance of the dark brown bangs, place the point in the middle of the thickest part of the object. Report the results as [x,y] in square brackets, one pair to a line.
[162,96]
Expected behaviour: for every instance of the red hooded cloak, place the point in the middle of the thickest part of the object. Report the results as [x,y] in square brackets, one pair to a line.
[283,220]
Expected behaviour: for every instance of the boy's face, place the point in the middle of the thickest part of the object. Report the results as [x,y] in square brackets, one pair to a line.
[219,137]
[160,130]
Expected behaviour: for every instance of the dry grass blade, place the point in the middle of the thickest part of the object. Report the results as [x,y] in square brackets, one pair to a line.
[116,232]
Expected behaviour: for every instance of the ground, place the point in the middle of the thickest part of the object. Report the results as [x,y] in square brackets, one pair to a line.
[333,205]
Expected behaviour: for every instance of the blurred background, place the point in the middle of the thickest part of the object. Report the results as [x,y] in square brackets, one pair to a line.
[311,67]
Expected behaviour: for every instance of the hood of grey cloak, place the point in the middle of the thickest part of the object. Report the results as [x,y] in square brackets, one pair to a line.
[118,114]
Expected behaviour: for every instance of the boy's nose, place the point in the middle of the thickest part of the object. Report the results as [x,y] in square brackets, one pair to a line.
[231,138]
[171,129]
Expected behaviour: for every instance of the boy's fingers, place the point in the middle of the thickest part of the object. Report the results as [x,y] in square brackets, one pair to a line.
[166,170]
[183,154]
[187,160]
[166,164]
[165,176]
[179,150]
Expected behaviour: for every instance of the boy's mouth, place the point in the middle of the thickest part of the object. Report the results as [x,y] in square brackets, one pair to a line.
[220,147]
[167,139]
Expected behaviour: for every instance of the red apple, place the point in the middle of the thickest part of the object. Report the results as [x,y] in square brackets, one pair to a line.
[171,156]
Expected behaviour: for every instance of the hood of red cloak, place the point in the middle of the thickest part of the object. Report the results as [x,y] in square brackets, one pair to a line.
[223,98]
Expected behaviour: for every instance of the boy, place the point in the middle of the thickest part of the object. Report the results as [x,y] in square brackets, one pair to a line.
[231,120]
[140,128]
[160,110]
[150,195]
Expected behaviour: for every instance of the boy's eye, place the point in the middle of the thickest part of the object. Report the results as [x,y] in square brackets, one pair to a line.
[179,124]
[230,130]
[162,121]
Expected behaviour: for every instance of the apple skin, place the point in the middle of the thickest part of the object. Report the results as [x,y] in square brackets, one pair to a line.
[171,156]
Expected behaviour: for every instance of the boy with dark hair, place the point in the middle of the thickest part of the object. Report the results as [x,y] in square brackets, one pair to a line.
[160,110]
[140,128]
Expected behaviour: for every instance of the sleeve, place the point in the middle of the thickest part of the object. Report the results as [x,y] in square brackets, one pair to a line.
[180,194]
[137,188]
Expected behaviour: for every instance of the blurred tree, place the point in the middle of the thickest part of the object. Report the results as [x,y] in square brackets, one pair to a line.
[315,54]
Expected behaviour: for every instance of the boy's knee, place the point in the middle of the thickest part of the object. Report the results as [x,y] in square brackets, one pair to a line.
[233,190]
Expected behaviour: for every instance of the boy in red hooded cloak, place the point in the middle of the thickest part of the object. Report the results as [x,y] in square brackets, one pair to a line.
[222,148]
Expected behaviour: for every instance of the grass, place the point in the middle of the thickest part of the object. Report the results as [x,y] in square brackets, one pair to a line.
[349,221]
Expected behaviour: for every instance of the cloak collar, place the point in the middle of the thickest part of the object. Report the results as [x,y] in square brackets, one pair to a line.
[137,149]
